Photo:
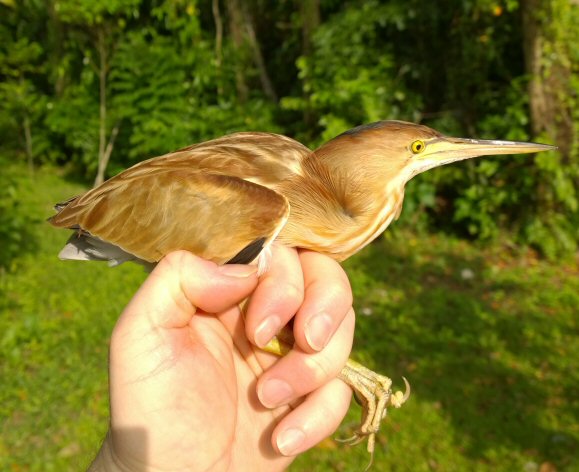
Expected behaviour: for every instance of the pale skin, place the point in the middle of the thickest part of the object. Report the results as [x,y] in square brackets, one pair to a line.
[189,389]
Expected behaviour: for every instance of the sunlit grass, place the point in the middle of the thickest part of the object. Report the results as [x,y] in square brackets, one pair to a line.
[487,337]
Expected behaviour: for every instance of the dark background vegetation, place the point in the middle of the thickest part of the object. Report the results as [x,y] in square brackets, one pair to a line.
[476,286]
[98,86]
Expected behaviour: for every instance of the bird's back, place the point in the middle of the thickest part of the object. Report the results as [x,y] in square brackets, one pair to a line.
[262,158]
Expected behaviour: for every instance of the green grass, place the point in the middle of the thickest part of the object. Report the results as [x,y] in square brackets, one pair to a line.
[486,336]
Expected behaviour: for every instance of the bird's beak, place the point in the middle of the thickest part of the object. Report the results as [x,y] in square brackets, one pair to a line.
[445,150]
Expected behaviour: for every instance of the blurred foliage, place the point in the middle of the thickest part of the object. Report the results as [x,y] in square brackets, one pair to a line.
[352,76]
[14,223]
[144,77]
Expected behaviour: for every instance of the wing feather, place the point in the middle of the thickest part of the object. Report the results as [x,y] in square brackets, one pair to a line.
[149,214]
[263,158]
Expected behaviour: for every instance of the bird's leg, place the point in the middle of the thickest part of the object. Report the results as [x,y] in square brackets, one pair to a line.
[374,393]
[372,390]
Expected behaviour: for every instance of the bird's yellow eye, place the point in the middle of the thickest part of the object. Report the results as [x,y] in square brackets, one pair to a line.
[418,146]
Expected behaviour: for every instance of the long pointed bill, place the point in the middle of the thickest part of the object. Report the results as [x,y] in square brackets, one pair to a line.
[444,150]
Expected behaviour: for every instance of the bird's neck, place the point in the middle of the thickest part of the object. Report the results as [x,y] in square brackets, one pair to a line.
[338,211]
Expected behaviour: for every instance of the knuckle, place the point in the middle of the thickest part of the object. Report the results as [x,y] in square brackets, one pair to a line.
[317,370]
[177,259]
[293,293]
[343,284]
[339,293]
[351,317]
[308,374]
[330,418]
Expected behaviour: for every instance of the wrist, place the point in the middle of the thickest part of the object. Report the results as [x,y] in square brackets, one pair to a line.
[106,461]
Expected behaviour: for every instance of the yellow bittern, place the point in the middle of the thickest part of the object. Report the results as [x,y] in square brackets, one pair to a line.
[229,199]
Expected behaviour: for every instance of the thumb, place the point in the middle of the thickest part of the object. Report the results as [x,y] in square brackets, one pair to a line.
[183,282]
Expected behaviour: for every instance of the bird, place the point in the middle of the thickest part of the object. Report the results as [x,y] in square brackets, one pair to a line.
[229,199]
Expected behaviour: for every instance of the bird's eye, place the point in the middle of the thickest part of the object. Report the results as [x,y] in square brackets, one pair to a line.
[418,146]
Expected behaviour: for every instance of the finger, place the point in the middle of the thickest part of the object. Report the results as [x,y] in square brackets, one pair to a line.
[327,300]
[315,419]
[299,373]
[182,282]
[276,298]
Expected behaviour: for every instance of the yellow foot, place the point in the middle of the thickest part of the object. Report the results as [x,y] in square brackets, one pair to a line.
[373,391]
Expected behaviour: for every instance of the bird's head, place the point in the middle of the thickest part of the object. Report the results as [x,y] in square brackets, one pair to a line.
[397,150]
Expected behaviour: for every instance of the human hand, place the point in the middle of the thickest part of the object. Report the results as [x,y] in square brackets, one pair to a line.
[187,388]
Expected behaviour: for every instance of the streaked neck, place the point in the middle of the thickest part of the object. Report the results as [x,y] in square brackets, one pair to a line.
[338,211]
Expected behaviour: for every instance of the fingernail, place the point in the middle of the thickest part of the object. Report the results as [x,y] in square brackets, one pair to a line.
[237,270]
[318,330]
[267,330]
[275,392]
[290,441]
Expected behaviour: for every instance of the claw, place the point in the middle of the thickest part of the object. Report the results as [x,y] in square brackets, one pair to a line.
[371,461]
[353,440]
[357,438]
[347,440]
[398,399]
[407,390]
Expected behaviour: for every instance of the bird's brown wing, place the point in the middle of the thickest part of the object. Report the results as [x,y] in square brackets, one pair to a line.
[149,214]
[263,158]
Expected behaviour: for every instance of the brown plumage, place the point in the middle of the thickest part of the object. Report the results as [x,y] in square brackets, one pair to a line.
[219,197]
[228,199]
